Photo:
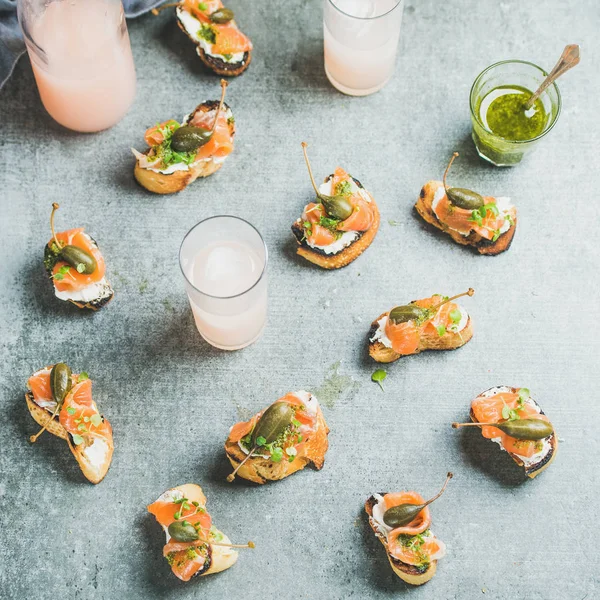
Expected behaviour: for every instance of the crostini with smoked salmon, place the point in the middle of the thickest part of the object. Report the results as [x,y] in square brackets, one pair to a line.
[434,323]
[340,224]
[510,417]
[220,44]
[194,546]
[61,403]
[76,268]
[401,521]
[180,153]
[486,223]
[280,440]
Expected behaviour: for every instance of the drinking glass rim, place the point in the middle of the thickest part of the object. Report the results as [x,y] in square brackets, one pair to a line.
[240,293]
[522,62]
[398,2]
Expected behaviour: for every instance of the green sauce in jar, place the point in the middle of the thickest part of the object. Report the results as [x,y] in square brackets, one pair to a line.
[503,112]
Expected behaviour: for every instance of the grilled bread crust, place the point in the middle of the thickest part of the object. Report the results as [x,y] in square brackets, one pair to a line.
[483,246]
[535,469]
[428,341]
[409,573]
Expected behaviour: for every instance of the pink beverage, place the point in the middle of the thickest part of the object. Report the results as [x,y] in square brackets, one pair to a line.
[81,59]
[360,43]
[223,260]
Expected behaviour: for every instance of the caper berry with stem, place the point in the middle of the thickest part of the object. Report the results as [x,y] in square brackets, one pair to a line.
[412,312]
[78,258]
[338,206]
[183,531]
[520,429]
[462,197]
[189,138]
[403,514]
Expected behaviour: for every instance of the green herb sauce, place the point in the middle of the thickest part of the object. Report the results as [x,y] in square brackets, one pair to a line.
[507,118]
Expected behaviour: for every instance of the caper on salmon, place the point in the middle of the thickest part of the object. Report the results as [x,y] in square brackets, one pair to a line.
[222,16]
[338,206]
[403,514]
[408,312]
[183,531]
[462,197]
[188,138]
[412,312]
[272,424]
[61,381]
[520,429]
[78,258]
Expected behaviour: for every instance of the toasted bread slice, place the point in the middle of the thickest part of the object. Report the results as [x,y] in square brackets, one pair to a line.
[483,246]
[429,341]
[348,254]
[105,294]
[532,470]
[409,573]
[260,470]
[171,183]
[219,558]
[93,458]
[215,63]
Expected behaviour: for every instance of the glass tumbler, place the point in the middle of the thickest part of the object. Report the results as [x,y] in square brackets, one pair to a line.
[360,43]
[499,151]
[81,59]
[224,262]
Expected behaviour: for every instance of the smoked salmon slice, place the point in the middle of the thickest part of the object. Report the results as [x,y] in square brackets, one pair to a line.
[72,280]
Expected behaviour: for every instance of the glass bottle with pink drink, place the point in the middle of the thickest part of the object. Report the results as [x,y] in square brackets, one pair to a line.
[81,59]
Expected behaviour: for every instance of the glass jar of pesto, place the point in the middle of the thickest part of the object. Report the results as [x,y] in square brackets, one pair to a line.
[503,131]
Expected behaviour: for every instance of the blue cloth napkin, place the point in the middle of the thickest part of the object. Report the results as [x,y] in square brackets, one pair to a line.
[11,40]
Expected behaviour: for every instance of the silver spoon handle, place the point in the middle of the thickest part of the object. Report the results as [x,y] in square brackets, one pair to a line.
[568,59]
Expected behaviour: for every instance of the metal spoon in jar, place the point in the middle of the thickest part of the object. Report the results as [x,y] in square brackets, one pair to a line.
[568,59]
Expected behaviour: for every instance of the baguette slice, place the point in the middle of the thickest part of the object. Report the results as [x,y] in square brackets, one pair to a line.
[94,459]
[260,470]
[544,462]
[428,341]
[171,183]
[483,246]
[216,64]
[219,558]
[409,573]
[348,254]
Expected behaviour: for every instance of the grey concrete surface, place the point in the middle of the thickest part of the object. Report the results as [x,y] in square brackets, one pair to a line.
[171,398]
